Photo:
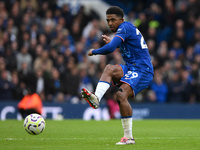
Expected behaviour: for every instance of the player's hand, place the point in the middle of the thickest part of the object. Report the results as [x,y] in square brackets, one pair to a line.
[90,52]
[106,39]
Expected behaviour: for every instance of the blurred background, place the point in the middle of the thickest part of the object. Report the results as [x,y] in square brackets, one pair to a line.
[44,44]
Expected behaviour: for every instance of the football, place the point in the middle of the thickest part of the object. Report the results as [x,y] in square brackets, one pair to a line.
[34,124]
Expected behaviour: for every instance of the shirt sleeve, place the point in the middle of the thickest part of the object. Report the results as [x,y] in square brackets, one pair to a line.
[121,32]
[108,48]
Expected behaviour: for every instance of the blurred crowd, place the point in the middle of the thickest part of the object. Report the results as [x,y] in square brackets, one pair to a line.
[44,46]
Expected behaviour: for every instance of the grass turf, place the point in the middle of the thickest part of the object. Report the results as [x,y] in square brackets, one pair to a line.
[102,135]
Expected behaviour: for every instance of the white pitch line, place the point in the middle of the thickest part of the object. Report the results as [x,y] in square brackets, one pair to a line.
[146,138]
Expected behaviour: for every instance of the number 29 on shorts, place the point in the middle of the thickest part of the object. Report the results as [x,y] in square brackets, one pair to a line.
[131,75]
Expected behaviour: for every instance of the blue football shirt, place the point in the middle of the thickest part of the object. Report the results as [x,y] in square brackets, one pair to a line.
[132,46]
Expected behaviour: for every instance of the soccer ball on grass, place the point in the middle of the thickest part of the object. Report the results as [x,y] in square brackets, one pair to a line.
[34,124]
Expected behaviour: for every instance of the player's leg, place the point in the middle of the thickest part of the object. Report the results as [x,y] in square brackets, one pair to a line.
[133,83]
[122,95]
[110,72]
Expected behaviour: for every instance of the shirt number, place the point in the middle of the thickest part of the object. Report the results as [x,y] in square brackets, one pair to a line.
[131,75]
[142,43]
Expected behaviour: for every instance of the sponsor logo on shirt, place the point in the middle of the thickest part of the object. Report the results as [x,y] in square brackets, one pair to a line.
[119,30]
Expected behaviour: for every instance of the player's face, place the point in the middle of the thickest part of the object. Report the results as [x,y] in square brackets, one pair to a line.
[113,21]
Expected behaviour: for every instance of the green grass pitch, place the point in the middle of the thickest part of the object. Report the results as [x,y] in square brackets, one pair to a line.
[102,135]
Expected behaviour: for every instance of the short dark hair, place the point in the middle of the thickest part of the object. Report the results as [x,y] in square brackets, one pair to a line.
[115,10]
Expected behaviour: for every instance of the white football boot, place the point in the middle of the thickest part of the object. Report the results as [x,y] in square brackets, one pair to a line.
[91,98]
[125,141]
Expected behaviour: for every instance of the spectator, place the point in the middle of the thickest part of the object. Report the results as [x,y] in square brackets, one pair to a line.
[162,53]
[43,61]
[34,31]
[32,48]
[151,47]
[85,80]
[79,52]
[176,47]
[20,89]
[24,56]
[11,62]
[175,89]
[39,82]
[11,29]
[168,14]
[93,25]
[70,77]
[6,40]
[53,54]
[80,20]
[160,88]
[92,37]
[66,13]
[179,34]
[52,85]
[66,45]
[6,86]
[189,56]
[92,74]
[15,14]
[35,19]
[43,41]
[24,41]
[14,48]
[48,20]
[187,86]
[25,75]
[60,64]
[43,9]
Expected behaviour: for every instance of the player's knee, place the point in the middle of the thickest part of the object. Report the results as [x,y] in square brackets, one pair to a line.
[108,69]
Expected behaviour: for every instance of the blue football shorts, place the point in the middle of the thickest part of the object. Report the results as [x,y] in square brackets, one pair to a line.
[137,79]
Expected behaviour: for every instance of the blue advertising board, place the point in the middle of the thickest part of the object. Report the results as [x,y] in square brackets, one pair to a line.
[58,111]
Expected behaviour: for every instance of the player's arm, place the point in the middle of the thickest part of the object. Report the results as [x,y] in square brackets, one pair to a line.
[108,48]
